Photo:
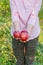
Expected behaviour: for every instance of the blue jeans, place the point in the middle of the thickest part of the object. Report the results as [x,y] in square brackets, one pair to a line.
[30,48]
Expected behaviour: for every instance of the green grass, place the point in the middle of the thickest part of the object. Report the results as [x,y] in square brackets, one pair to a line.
[6,52]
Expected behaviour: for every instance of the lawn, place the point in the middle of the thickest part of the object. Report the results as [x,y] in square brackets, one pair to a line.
[6,52]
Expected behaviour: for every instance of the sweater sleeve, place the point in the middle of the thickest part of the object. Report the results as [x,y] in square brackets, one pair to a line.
[36,9]
[14,13]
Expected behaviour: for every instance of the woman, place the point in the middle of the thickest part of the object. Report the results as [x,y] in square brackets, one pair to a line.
[25,16]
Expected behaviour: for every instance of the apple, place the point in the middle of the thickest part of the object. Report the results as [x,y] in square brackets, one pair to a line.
[16,34]
[24,35]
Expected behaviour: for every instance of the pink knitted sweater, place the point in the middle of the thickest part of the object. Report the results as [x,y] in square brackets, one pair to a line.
[26,11]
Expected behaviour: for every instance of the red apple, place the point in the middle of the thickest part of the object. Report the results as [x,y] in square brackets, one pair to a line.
[24,35]
[16,34]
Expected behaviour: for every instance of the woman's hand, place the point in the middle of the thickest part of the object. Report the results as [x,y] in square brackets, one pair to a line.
[26,40]
[24,36]
[29,30]
[23,41]
[16,25]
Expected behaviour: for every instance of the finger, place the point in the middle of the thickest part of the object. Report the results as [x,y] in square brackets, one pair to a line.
[13,36]
[24,41]
[17,38]
[21,40]
[28,40]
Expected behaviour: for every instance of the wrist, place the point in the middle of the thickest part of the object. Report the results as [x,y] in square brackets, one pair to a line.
[16,26]
[29,28]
